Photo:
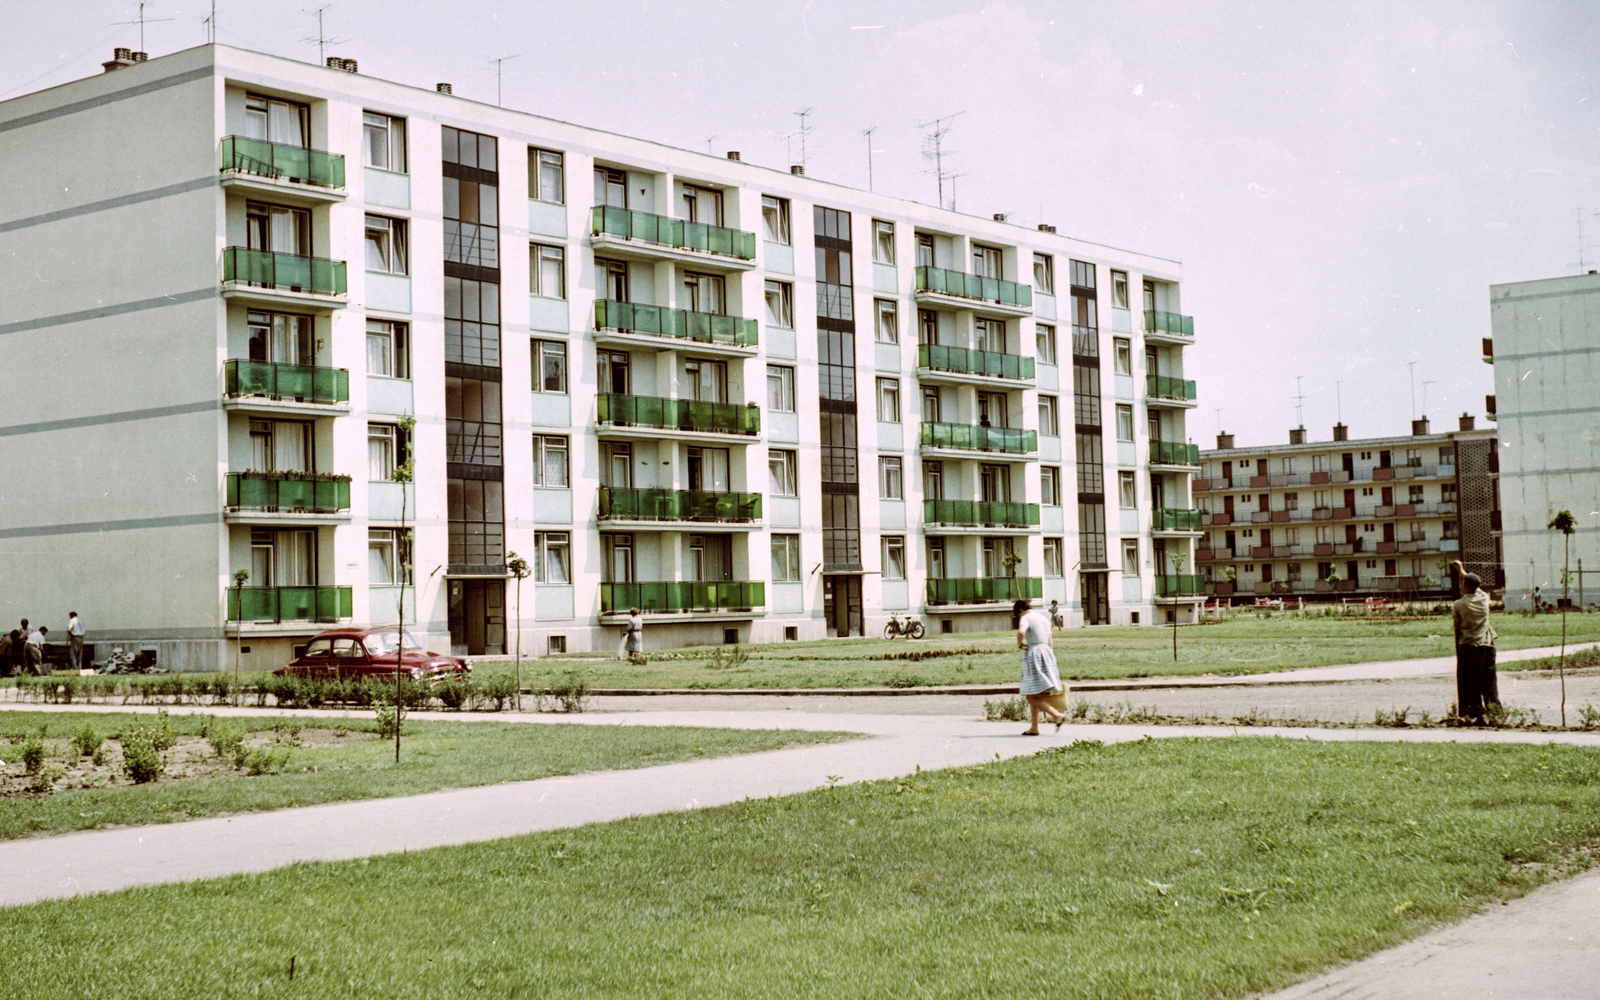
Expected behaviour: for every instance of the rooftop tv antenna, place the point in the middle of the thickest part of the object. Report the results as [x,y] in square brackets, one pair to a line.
[498,63]
[322,38]
[933,149]
[803,131]
[211,24]
[141,21]
[867,135]
[708,140]
[1411,366]
[1299,403]
[1425,383]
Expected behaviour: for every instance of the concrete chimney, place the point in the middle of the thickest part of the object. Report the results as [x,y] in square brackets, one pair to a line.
[1224,442]
[1341,432]
[1419,428]
[733,154]
[443,88]
[798,169]
[1297,435]
[1467,422]
[121,58]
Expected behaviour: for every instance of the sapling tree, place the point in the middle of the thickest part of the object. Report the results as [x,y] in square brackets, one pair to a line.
[519,568]
[1565,523]
[239,577]
[403,474]
[1178,559]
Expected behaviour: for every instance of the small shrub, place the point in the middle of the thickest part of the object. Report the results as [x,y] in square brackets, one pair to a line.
[452,695]
[391,720]
[44,780]
[1080,709]
[261,760]
[904,679]
[493,693]
[287,731]
[161,736]
[101,758]
[224,738]
[141,758]
[1589,717]
[570,693]
[1006,709]
[33,755]
[729,657]
[88,740]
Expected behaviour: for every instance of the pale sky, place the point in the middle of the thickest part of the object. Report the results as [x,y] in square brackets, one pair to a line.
[1341,183]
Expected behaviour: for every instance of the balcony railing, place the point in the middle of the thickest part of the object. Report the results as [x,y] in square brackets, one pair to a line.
[274,159]
[1162,387]
[974,286]
[1005,440]
[276,604]
[678,505]
[968,362]
[980,512]
[1161,322]
[1180,585]
[985,590]
[1174,453]
[302,383]
[658,598]
[676,233]
[310,492]
[678,324]
[677,414]
[1170,519]
[284,271]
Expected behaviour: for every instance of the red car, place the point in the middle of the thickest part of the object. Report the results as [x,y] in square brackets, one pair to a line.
[370,652]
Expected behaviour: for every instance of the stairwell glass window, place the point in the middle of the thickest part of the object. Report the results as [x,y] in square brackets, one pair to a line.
[550,465]
[547,271]
[882,242]
[1044,273]
[780,388]
[888,321]
[388,352]
[386,244]
[546,177]
[894,557]
[785,558]
[890,478]
[549,366]
[384,142]
[783,477]
[1049,416]
[775,219]
[780,305]
[552,557]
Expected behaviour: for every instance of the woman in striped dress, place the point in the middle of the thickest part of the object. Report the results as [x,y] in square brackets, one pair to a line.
[1041,682]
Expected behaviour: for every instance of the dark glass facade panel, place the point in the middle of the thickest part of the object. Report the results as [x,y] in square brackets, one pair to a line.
[1086,396]
[477,522]
[472,322]
[1092,535]
[472,422]
[836,364]
[1091,464]
[836,368]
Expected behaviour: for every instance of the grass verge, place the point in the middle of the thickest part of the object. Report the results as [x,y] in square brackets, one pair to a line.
[434,755]
[1174,868]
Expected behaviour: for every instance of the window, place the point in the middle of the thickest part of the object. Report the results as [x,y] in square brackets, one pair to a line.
[927,326]
[1319,463]
[471,199]
[385,146]
[1045,343]
[1044,273]
[386,451]
[889,400]
[1414,494]
[471,322]
[1419,531]
[1122,354]
[1091,467]
[1324,535]
[780,305]
[1319,499]
[550,467]
[380,556]
[1447,492]
[1447,455]
[276,121]
[780,388]
[775,218]
[547,271]
[387,352]
[613,371]
[1414,458]
[890,486]
[1130,557]
[987,262]
[545,176]
[932,480]
[785,558]
[998,556]
[1124,422]
[1291,501]
[888,326]
[709,470]
[1292,536]
[549,366]
[1119,289]
[1049,420]
[990,334]
[616,555]
[883,242]
[610,187]
[616,465]
[611,279]
[704,293]
[931,410]
[477,523]
[925,255]
[1050,485]
[1288,465]
[1054,565]
[1082,274]
[703,205]
[552,557]
[783,473]
[894,557]
[1127,491]
[1450,530]
[279,229]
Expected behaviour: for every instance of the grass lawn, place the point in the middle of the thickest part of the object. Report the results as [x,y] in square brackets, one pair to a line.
[434,755]
[1246,644]
[1170,868]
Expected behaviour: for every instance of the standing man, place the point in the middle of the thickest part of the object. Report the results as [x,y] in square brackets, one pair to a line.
[36,651]
[74,641]
[19,649]
[1475,677]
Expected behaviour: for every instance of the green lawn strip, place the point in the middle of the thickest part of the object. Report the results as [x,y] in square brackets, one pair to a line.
[1171,868]
[434,755]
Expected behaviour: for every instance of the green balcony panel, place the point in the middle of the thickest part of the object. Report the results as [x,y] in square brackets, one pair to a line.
[678,505]
[1165,519]
[985,590]
[659,598]
[274,159]
[677,414]
[969,362]
[284,271]
[679,324]
[1006,440]
[1162,322]
[311,492]
[658,229]
[1163,387]
[302,383]
[1174,453]
[276,604]
[1180,585]
[980,512]
[972,286]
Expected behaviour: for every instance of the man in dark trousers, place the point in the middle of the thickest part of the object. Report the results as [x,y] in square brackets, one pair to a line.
[1475,676]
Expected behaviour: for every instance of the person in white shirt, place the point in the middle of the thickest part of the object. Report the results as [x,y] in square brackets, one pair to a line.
[35,650]
[1041,681]
[74,641]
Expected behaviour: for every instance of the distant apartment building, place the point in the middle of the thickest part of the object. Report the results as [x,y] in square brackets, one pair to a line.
[233,278]
[1337,519]
[1545,350]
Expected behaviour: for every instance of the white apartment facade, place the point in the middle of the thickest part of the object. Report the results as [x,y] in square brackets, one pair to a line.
[240,275]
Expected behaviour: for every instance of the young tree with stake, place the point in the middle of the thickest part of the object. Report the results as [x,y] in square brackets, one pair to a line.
[1565,523]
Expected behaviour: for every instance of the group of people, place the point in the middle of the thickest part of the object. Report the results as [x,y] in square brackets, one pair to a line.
[22,649]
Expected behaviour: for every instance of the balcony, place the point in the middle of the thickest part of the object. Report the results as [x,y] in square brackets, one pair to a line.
[1170,519]
[985,590]
[291,174]
[980,513]
[1488,350]
[262,277]
[1174,453]
[684,597]
[278,604]
[697,506]
[984,440]
[650,416]
[1177,585]
[632,324]
[643,236]
[274,389]
[940,284]
[289,497]
[1165,327]
[1163,391]
[958,364]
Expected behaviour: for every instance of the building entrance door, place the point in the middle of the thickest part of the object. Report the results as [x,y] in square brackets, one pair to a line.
[841,605]
[1096,603]
[478,616]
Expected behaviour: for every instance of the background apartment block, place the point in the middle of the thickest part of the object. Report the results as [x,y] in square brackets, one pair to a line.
[1546,405]
[1334,519]
[756,405]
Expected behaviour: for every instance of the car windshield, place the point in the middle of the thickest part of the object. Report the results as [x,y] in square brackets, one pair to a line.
[383,643]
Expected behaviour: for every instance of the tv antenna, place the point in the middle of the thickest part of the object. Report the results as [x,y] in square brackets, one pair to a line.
[322,38]
[1219,419]
[867,135]
[141,21]
[211,24]
[708,143]
[498,63]
[933,149]
[1299,402]
[1585,248]
[803,131]
[1412,368]
[1425,383]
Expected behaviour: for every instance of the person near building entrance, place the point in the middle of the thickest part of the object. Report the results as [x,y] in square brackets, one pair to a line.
[35,651]
[1041,682]
[1476,686]
[74,641]
[633,638]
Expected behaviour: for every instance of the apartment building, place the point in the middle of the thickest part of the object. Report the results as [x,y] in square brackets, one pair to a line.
[1327,520]
[755,405]
[1545,405]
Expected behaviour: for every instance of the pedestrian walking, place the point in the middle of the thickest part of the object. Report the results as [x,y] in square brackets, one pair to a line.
[35,651]
[633,638]
[75,641]
[1041,682]
[1476,684]
[1057,620]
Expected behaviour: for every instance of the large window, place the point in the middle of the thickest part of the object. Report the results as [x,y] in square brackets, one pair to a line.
[785,558]
[386,451]
[477,522]
[1124,422]
[780,388]
[1045,343]
[552,557]
[988,261]
[472,322]
[472,421]
[1130,557]
[1119,289]
[545,180]
[550,467]
[1044,273]
[780,305]
[894,557]
[1127,490]
[882,241]
[889,400]
[276,121]
[1049,418]
[387,351]
[382,564]
[1050,485]
[1122,356]
[704,293]
[471,199]
[1053,563]
[775,219]
[783,473]
[385,145]
[547,271]
[549,366]
[888,326]
[891,478]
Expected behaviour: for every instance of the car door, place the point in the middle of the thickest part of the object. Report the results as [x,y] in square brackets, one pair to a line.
[317,660]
